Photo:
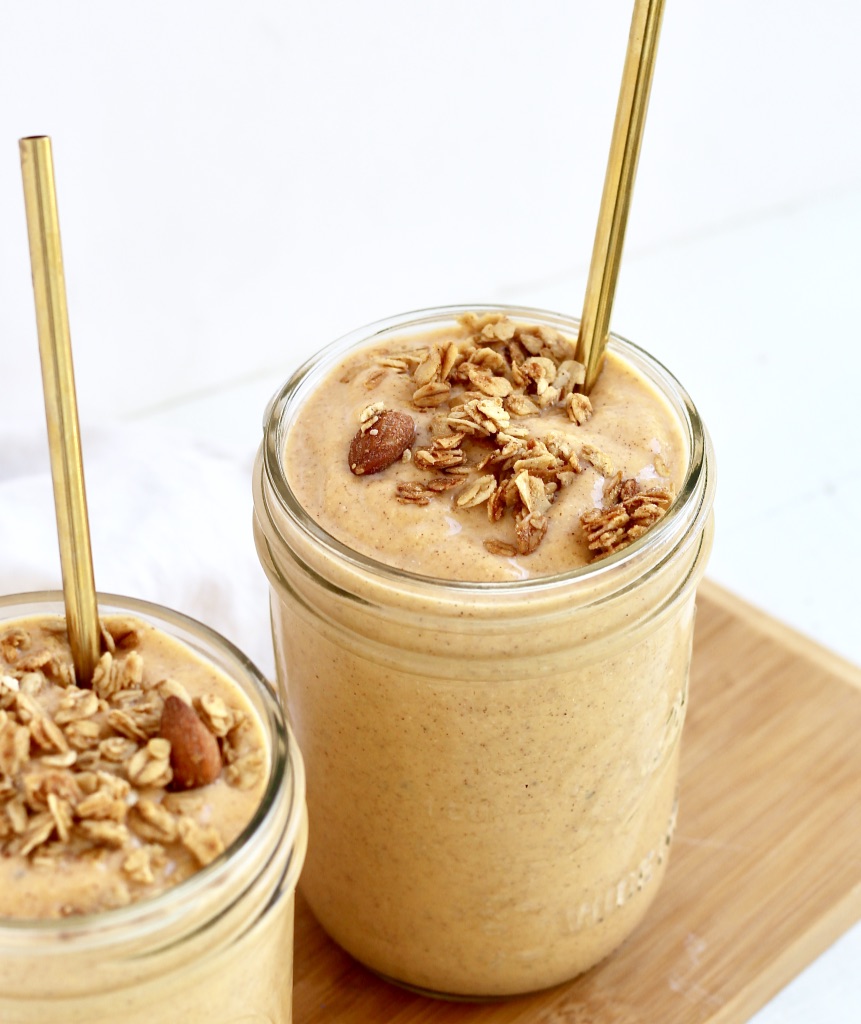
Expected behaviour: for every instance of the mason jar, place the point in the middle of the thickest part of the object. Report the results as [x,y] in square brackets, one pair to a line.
[217,948]
[492,767]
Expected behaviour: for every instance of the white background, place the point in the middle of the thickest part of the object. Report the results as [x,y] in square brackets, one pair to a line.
[240,183]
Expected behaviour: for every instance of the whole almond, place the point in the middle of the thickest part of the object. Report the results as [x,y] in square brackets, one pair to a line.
[194,754]
[386,441]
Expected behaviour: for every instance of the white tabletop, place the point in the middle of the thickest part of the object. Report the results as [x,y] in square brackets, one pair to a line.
[241,183]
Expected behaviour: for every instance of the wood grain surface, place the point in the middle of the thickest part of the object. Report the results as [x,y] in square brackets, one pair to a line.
[765,871]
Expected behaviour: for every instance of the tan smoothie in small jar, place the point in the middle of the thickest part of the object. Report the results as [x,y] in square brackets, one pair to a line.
[152,824]
[483,599]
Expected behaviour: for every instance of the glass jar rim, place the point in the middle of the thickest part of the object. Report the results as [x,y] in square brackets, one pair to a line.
[678,522]
[286,775]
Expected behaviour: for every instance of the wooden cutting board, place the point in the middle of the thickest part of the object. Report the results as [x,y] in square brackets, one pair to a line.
[765,871]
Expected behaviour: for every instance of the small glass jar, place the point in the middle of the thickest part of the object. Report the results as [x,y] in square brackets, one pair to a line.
[215,949]
[492,767]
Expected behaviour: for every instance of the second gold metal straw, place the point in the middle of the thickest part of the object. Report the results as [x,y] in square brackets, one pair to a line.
[61,410]
[618,186]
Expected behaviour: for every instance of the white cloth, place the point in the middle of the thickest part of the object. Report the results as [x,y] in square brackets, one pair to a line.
[170,522]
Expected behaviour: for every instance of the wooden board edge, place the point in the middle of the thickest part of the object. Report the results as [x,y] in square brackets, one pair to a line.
[780,632]
[793,960]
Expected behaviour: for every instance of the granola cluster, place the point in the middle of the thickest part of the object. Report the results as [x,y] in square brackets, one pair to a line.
[627,513]
[481,392]
[85,773]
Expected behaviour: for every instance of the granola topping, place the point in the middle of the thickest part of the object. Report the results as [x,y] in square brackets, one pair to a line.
[88,775]
[627,513]
[495,417]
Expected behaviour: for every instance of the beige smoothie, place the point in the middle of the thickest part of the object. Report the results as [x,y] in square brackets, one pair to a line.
[505,459]
[482,610]
[120,805]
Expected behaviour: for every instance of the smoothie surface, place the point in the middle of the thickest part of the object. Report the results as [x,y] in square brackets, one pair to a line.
[467,453]
[103,800]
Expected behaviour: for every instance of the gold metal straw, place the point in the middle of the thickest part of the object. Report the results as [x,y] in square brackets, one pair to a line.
[61,409]
[618,186]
